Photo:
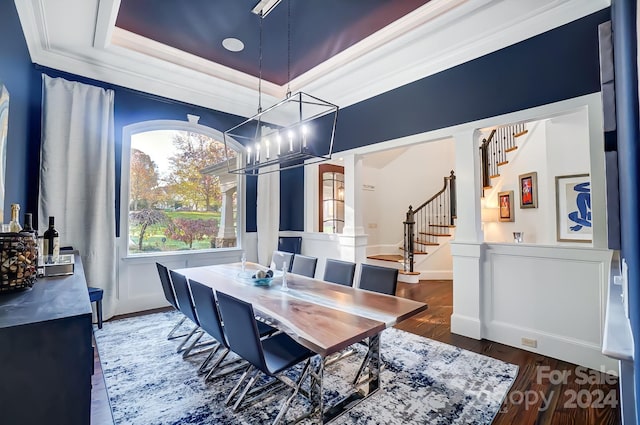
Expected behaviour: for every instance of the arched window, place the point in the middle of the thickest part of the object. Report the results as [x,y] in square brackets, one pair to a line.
[176,192]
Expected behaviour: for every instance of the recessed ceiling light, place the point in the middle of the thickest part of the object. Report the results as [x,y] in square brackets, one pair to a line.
[233,44]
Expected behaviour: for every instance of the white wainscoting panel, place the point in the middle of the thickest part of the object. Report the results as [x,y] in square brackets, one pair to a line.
[139,286]
[553,295]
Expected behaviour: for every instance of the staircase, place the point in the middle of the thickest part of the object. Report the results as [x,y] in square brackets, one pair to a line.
[424,229]
[494,150]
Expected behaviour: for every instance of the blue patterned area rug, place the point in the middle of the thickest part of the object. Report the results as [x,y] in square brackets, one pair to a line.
[424,381]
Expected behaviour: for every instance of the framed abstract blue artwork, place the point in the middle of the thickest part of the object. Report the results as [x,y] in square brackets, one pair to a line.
[573,208]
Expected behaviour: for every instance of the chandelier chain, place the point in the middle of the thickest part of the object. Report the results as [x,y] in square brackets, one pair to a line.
[288,48]
[260,68]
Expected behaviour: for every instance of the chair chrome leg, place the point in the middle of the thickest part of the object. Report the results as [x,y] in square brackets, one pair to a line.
[218,364]
[238,384]
[175,328]
[206,361]
[184,341]
[252,381]
[187,350]
[287,402]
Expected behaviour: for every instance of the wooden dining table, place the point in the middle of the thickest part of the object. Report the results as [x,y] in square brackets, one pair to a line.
[322,316]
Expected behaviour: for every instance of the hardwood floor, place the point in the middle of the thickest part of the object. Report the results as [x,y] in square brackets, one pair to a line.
[585,397]
[546,392]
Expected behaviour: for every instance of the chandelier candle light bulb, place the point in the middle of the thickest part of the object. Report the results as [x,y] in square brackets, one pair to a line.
[266,143]
[304,136]
[257,152]
[290,134]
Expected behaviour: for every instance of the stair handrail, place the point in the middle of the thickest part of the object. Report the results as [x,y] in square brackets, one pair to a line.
[410,222]
[494,150]
[451,180]
[484,159]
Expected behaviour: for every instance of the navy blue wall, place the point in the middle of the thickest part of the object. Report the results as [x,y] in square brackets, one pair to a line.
[16,72]
[559,64]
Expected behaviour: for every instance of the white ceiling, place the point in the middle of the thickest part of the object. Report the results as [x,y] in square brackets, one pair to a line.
[79,37]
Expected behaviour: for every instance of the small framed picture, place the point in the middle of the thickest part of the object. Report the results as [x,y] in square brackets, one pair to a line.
[505,202]
[573,208]
[528,190]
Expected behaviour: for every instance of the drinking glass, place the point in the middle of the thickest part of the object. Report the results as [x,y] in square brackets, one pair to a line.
[244,261]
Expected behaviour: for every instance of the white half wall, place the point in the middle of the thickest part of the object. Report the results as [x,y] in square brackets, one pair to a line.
[554,296]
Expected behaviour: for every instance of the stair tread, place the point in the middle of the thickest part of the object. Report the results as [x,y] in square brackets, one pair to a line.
[387,257]
[443,225]
[434,234]
[502,163]
[415,252]
[427,243]
[511,149]
[494,176]
[408,273]
[522,133]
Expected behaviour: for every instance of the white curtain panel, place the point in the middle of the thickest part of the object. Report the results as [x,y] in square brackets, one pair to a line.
[268,213]
[77,177]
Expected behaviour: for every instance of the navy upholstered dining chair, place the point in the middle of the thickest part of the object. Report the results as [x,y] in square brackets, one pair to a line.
[270,356]
[304,265]
[378,279]
[209,318]
[338,271]
[383,280]
[279,257]
[185,304]
[167,288]
[291,244]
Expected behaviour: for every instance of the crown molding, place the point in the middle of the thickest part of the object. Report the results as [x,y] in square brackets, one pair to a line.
[439,35]
[105,23]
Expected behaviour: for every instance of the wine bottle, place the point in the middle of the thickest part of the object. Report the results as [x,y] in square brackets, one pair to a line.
[14,224]
[28,224]
[51,244]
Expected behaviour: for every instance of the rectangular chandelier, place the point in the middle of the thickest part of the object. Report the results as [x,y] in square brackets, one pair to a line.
[298,130]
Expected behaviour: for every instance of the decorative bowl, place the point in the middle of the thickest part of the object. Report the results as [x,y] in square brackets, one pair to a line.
[248,277]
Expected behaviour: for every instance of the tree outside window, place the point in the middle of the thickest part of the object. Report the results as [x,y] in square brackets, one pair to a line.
[172,205]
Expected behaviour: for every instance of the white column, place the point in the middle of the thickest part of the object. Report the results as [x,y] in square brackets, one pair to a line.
[598,177]
[227,230]
[466,249]
[468,187]
[353,241]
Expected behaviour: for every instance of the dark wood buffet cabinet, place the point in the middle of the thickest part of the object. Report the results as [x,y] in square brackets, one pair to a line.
[46,356]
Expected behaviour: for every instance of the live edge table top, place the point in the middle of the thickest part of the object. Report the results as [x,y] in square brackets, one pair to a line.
[322,316]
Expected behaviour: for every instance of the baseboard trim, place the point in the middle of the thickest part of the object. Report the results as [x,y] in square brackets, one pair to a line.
[580,352]
[466,326]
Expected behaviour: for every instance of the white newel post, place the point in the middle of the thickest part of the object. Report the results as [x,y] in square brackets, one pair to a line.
[353,241]
[466,248]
